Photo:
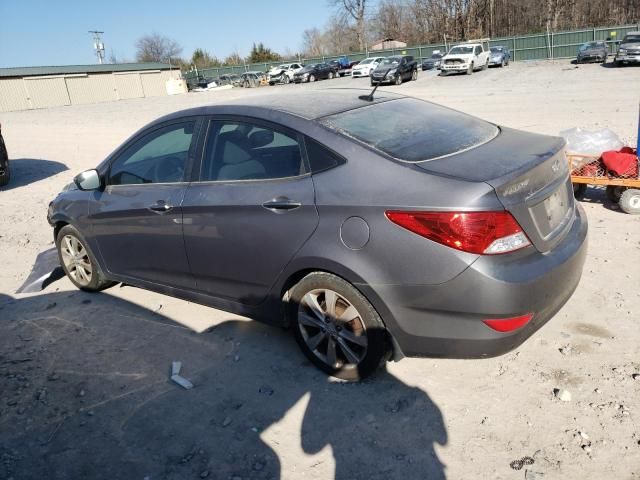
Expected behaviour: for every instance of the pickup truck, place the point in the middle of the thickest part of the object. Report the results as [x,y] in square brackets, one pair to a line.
[394,70]
[342,66]
[629,49]
[466,58]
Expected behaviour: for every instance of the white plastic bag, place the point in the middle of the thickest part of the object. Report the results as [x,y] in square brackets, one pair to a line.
[591,142]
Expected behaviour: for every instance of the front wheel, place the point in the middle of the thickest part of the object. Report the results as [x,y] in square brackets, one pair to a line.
[630,201]
[312,78]
[330,75]
[470,69]
[398,79]
[78,262]
[286,79]
[414,75]
[336,327]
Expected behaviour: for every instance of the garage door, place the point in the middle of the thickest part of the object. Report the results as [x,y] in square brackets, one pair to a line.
[47,91]
[153,84]
[13,95]
[91,88]
[128,85]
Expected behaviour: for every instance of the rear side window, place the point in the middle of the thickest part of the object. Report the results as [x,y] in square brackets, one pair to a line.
[320,157]
[247,151]
[412,130]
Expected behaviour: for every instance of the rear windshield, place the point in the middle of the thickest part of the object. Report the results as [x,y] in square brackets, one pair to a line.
[631,39]
[412,130]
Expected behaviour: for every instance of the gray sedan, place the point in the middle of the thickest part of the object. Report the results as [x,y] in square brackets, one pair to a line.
[353,220]
[592,52]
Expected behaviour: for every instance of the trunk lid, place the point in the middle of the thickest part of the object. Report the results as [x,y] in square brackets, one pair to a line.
[530,175]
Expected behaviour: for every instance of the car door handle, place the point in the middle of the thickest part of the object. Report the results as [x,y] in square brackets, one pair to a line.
[160,207]
[281,204]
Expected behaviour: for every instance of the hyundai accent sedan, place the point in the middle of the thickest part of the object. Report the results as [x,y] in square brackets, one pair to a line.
[373,228]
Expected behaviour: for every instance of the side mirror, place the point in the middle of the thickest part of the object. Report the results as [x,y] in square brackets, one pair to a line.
[88,180]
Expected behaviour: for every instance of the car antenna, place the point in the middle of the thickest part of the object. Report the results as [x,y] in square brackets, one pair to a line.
[369,98]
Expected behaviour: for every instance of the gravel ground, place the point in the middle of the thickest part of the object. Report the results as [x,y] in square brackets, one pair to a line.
[84,389]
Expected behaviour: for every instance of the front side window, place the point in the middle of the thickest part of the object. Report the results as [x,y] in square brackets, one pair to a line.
[246,151]
[158,157]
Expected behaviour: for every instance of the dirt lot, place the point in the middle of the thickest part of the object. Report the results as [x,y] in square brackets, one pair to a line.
[83,378]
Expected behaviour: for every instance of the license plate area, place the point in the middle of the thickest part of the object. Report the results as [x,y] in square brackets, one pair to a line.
[550,213]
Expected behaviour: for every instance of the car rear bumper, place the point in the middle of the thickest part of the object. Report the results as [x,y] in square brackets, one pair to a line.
[445,320]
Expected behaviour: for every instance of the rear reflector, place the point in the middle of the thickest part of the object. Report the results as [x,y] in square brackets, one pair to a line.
[486,233]
[508,324]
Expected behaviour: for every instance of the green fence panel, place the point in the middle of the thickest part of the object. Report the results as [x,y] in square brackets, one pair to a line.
[526,47]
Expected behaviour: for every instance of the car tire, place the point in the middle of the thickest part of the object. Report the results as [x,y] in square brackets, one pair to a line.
[78,262]
[398,80]
[6,176]
[630,201]
[486,65]
[579,190]
[336,327]
[614,192]
[617,63]
[286,79]
[502,64]
[414,75]
[330,75]
[312,78]
[470,69]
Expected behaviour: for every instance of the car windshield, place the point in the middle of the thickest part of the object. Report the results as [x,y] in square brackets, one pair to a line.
[631,39]
[311,66]
[412,130]
[496,49]
[590,45]
[366,60]
[461,50]
[437,56]
[390,61]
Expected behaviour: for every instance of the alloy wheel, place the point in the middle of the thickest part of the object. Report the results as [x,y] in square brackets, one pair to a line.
[332,328]
[76,260]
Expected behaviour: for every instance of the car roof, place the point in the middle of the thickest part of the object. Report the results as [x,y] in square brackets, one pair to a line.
[305,104]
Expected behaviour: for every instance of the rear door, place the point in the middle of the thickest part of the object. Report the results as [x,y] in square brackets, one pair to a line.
[251,211]
[137,219]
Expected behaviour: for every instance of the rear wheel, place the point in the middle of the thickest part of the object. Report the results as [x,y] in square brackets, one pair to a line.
[336,327]
[414,75]
[614,192]
[77,261]
[579,190]
[630,201]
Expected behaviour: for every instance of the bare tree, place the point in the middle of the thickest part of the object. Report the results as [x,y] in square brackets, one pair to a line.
[353,10]
[157,48]
[313,42]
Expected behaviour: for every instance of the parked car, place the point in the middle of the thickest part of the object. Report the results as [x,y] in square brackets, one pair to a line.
[252,79]
[365,67]
[499,56]
[5,172]
[283,73]
[592,52]
[629,49]
[343,66]
[395,69]
[206,82]
[287,212]
[465,58]
[434,61]
[313,72]
[230,79]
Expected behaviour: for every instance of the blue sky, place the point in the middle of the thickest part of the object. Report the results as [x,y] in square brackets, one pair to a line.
[54,32]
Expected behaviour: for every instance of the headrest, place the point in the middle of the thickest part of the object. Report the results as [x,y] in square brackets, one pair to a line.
[260,138]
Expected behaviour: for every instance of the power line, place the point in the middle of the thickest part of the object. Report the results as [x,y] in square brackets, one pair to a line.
[98,45]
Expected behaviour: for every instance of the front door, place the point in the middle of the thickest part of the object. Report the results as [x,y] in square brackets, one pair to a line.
[252,210]
[137,219]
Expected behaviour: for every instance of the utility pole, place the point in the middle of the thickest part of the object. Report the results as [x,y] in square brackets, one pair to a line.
[98,45]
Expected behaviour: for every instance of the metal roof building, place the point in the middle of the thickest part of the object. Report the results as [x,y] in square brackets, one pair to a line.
[23,88]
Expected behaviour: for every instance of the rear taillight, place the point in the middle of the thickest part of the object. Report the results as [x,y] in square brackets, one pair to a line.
[487,233]
[508,324]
